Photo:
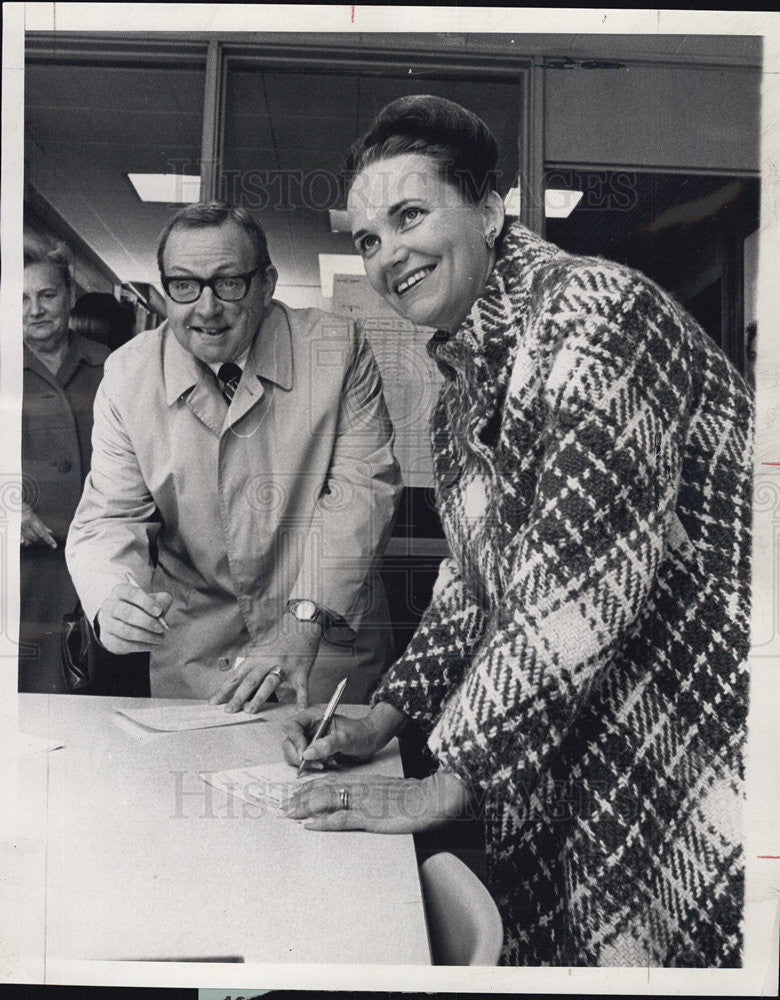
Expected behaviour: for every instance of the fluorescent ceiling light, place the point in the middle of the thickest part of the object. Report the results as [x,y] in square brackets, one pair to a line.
[512,202]
[337,263]
[339,221]
[559,204]
[179,188]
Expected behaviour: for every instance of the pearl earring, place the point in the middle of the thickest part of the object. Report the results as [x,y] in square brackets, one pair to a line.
[490,239]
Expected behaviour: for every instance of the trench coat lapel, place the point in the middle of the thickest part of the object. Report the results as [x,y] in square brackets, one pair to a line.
[189,382]
[269,359]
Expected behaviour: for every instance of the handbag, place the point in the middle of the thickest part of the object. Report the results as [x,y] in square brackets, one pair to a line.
[89,668]
[80,652]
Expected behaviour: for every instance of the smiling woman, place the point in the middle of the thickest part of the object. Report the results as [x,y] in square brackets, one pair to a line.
[424,245]
[581,670]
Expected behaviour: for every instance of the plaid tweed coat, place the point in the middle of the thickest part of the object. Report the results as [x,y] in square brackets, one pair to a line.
[582,663]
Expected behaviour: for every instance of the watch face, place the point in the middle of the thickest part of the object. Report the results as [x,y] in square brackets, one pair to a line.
[305,611]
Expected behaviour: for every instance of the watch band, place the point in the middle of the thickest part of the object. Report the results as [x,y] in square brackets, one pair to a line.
[334,627]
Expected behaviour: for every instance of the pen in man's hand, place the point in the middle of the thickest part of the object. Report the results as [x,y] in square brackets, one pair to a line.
[134,583]
[330,711]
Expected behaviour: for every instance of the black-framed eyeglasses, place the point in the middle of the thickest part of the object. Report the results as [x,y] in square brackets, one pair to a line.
[227,287]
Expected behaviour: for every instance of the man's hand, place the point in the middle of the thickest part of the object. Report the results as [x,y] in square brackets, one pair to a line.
[381,805]
[34,531]
[129,619]
[286,655]
[347,740]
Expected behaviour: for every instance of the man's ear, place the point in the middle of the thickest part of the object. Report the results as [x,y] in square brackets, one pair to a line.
[269,279]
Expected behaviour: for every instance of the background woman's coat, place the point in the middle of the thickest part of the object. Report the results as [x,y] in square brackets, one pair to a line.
[56,451]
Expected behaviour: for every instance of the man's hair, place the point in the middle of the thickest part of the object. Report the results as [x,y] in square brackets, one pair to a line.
[42,250]
[461,144]
[215,213]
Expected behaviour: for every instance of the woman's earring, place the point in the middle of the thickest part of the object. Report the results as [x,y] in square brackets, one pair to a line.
[490,239]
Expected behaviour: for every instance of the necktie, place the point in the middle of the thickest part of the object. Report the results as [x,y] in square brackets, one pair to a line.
[230,375]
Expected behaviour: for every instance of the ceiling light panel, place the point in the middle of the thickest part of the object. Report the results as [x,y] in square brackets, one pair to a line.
[180,189]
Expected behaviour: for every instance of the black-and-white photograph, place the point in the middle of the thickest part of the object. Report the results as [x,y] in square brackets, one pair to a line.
[391,471]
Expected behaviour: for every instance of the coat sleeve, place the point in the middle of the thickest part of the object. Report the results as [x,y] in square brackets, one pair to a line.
[616,388]
[117,521]
[354,514]
[438,653]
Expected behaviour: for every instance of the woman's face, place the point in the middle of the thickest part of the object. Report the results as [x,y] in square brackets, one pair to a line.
[423,246]
[46,309]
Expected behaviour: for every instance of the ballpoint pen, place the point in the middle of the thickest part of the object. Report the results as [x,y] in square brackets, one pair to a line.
[330,711]
[132,580]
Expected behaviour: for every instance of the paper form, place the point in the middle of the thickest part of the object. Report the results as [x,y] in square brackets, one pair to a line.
[270,785]
[179,718]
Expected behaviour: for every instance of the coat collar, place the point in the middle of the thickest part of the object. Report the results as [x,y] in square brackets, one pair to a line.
[270,357]
[271,354]
[80,351]
[478,357]
[484,336]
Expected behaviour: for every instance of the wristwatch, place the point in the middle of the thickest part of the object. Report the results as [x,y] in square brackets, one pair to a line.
[334,627]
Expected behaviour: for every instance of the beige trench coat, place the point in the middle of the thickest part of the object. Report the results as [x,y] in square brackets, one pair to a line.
[288,493]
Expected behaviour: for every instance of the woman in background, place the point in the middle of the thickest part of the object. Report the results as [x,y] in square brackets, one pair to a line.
[61,374]
[581,668]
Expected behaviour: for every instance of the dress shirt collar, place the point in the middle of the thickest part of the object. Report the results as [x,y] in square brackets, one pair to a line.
[241,362]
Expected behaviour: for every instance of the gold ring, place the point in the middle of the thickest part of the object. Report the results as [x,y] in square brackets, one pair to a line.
[343,798]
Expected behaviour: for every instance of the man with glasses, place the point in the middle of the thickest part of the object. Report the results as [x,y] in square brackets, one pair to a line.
[242,484]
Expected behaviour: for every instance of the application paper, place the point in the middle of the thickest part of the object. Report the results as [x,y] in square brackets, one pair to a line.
[269,785]
[179,718]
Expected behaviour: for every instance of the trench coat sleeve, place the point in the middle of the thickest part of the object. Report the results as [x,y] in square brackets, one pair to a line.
[354,514]
[438,652]
[117,520]
[581,567]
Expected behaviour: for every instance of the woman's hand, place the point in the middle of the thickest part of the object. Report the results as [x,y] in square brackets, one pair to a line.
[381,805]
[34,531]
[347,740]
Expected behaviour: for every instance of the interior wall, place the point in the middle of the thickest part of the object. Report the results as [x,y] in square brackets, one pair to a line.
[684,117]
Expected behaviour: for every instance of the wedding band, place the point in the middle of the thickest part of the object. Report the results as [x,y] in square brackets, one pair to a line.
[276,672]
[343,798]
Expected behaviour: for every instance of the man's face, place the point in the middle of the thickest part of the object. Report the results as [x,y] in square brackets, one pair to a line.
[46,306]
[213,330]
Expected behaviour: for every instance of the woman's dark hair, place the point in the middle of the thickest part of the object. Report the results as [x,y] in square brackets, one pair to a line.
[215,213]
[99,316]
[458,140]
